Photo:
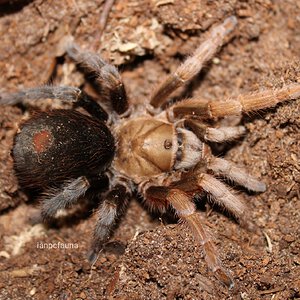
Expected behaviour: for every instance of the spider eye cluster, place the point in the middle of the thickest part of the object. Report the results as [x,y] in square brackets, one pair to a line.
[168,144]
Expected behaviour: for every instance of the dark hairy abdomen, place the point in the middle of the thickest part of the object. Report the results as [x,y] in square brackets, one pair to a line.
[58,145]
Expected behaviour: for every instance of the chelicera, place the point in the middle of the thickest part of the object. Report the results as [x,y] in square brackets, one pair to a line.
[158,150]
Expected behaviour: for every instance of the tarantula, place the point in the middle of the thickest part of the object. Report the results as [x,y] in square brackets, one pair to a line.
[160,151]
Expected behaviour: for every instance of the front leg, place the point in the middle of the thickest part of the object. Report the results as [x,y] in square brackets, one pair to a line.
[183,204]
[193,64]
[208,109]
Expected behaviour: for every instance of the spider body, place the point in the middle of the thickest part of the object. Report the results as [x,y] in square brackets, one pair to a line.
[61,145]
[149,147]
[158,150]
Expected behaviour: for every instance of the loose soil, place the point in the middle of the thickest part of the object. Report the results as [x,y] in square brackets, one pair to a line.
[149,257]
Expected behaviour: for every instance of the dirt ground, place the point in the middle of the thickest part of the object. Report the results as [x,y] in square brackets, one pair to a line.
[149,257]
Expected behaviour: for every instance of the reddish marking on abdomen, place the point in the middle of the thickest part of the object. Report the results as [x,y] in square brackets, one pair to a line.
[42,140]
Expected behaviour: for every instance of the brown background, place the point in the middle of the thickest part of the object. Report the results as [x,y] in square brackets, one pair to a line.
[148,39]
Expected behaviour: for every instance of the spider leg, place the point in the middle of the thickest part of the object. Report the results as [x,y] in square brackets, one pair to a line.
[221,166]
[110,209]
[59,199]
[194,63]
[207,109]
[186,210]
[218,191]
[65,94]
[219,135]
[228,169]
[107,76]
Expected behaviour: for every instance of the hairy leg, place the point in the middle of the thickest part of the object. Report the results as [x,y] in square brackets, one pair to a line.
[207,109]
[219,135]
[186,210]
[64,197]
[106,76]
[229,170]
[66,94]
[109,211]
[194,63]
[217,190]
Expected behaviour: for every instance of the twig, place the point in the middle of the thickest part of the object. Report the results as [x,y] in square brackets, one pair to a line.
[103,21]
